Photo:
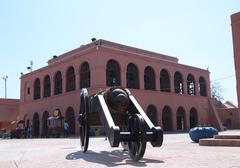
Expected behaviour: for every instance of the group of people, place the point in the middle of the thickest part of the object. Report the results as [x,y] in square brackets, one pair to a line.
[23,132]
[27,132]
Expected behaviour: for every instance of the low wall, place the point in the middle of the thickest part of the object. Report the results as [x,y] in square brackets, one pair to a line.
[9,109]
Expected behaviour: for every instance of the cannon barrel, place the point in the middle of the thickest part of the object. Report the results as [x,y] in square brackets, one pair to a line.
[117,99]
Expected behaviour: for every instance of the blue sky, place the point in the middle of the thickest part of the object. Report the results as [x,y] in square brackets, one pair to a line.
[197,32]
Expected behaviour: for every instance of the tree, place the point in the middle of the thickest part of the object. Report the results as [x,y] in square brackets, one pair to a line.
[216,91]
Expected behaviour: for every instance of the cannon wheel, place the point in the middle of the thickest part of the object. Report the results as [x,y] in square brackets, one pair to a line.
[84,127]
[136,127]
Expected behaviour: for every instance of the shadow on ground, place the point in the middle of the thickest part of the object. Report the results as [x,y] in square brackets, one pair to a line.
[110,159]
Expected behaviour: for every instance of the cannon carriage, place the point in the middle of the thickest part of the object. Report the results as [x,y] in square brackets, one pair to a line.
[123,119]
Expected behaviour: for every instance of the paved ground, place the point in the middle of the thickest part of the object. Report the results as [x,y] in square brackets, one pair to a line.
[177,152]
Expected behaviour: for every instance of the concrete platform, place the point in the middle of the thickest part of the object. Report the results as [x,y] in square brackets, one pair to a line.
[222,140]
[219,142]
[178,151]
[226,137]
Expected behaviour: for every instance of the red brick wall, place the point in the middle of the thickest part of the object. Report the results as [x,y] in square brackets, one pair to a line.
[230,114]
[9,109]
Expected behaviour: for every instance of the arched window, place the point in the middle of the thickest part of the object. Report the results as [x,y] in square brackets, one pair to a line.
[202,87]
[70,80]
[44,121]
[36,123]
[181,119]
[58,83]
[113,73]
[132,76]
[47,86]
[164,81]
[178,83]
[70,117]
[191,85]
[37,89]
[85,76]
[149,79]
[167,118]
[152,114]
[193,117]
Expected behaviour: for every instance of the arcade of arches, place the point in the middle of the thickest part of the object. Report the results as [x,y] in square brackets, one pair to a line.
[69,117]
[113,78]
[151,111]
[167,117]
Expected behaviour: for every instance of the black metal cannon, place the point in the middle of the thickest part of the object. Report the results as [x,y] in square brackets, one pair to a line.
[122,118]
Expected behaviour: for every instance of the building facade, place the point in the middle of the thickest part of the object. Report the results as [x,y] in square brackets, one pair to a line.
[235,20]
[175,96]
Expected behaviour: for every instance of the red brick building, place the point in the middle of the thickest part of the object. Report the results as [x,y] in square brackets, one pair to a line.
[175,96]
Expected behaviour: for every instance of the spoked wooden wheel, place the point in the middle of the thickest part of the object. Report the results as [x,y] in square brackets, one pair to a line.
[136,127]
[83,121]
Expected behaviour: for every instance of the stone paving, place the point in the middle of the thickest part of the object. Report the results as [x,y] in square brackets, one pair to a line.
[177,152]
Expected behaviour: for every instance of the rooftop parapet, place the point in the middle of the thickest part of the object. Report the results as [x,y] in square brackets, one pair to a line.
[112,46]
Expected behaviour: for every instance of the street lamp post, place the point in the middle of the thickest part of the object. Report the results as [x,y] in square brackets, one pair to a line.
[5,79]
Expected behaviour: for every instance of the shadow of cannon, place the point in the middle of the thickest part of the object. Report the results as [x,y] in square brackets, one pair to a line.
[110,158]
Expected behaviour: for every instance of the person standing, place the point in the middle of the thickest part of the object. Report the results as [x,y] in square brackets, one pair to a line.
[65,128]
[29,131]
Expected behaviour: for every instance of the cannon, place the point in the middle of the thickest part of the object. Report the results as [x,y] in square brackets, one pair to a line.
[123,119]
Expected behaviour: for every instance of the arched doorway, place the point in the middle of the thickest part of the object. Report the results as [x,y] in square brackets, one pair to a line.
[46,86]
[167,118]
[193,117]
[85,75]
[149,79]
[58,83]
[152,113]
[37,89]
[164,81]
[36,123]
[202,87]
[113,73]
[181,122]
[44,121]
[70,117]
[191,85]
[132,76]
[178,83]
[70,79]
